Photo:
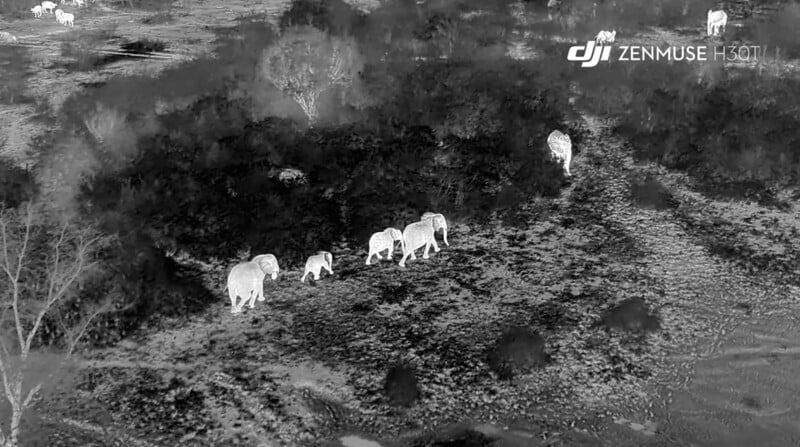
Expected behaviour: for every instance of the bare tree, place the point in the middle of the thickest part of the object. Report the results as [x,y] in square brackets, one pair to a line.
[42,267]
[305,62]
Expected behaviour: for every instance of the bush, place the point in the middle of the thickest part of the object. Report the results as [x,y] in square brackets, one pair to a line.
[16,185]
[737,132]
[631,315]
[401,386]
[517,352]
[15,69]
[648,192]
[336,17]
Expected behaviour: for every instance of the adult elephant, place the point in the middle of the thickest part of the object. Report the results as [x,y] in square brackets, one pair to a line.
[246,280]
[415,236]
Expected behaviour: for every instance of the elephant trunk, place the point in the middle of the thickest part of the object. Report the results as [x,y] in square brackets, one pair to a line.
[444,232]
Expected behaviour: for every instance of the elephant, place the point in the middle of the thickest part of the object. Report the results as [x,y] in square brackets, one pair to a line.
[605,37]
[246,280]
[383,240]
[715,21]
[317,262]
[561,148]
[439,223]
[415,236]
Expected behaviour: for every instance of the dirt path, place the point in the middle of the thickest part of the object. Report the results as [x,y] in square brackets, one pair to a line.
[730,378]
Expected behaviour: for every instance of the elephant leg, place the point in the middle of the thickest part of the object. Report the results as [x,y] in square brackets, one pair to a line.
[303,279]
[402,262]
[435,245]
[426,253]
[316,275]
[253,296]
[391,253]
[369,256]
[234,309]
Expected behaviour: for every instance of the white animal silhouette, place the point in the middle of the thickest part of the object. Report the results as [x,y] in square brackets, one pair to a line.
[48,6]
[383,240]
[606,37]
[716,19]
[5,36]
[439,223]
[415,236]
[67,19]
[37,11]
[317,262]
[246,280]
[561,148]
[60,16]
[79,3]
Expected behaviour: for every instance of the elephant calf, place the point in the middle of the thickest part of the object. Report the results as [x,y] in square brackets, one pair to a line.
[561,148]
[317,262]
[382,241]
[246,280]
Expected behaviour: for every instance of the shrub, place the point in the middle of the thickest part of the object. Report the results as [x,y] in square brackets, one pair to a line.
[516,352]
[401,385]
[631,315]
[648,192]
[336,17]
[16,185]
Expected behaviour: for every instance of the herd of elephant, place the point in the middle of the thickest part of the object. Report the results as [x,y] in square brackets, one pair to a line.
[246,279]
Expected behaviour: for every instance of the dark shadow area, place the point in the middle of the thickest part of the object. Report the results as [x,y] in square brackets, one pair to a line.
[631,315]
[401,386]
[518,351]
[647,192]
[85,59]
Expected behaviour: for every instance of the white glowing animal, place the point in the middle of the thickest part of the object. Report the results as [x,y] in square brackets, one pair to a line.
[48,6]
[415,236]
[68,19]
[60,16]
[439,223]
[382,241]
[79,3]
[561,148]
[5,36]
[606,37]
[317,262]
[37,11]
[246,280]
[716,20]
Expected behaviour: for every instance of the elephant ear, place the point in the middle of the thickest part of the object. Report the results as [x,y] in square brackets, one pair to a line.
[267,263]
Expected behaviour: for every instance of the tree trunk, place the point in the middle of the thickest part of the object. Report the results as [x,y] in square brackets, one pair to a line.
[16,417]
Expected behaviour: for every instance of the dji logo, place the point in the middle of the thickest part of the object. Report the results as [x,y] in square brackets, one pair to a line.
[591,55]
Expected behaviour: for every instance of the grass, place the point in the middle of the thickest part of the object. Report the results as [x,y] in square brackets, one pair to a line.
[158,18]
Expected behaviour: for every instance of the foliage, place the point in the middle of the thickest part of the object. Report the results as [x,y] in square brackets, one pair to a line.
[631,315]
[401,386]
[15,70]
[305,62]
[335,17]
[16,185]
[648,192]
[43,267]
[517,351]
